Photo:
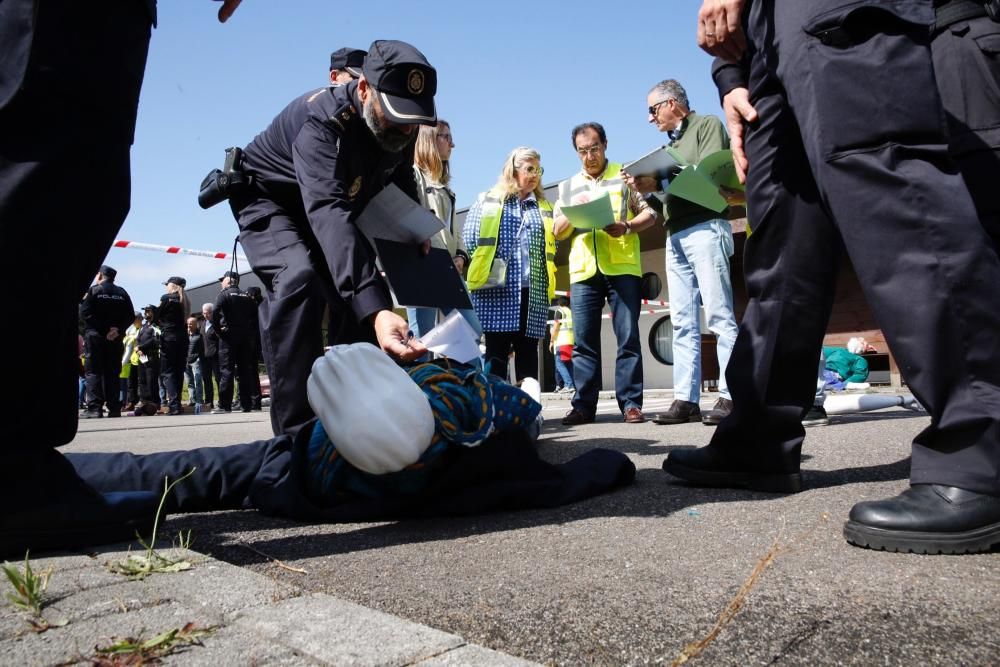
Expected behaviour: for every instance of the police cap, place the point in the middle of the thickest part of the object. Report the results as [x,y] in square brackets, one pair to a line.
[232,275]
[405,81]
[107,272]
[348,59]
[177,280]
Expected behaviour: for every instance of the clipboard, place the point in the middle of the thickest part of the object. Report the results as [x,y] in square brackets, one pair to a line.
[429,281]
[662,163]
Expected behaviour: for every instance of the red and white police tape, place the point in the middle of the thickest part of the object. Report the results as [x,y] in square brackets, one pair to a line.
[174,250]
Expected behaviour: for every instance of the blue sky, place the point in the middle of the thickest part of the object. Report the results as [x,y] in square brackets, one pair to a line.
[508,75]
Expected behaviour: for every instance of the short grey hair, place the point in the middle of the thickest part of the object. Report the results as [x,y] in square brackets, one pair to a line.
[209,305]
[671,89]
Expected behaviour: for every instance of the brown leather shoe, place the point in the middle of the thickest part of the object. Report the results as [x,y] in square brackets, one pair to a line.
[680,412]
[634,416]
[574,417]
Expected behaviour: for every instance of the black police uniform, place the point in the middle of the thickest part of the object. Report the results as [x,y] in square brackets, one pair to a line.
[210,359]
[314,168]
[148,343]
[834,168]
[235,320]
[88,56]
[173,347]
[106,305]
[965,46]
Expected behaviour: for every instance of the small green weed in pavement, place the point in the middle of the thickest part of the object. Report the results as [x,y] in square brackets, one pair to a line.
[29,589]
[140,566]
[137,651]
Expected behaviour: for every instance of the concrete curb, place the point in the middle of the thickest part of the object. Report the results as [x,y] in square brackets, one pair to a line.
[258,620]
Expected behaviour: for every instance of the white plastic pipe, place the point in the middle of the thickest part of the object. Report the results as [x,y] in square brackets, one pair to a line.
[847,403]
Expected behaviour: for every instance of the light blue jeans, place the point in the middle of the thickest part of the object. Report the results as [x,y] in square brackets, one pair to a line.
[698,274]
[193,373]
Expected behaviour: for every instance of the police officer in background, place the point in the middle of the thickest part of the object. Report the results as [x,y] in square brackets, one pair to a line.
[210,359]
[345,65]
[235,319]
[172,318]
[106,312]
[313,170]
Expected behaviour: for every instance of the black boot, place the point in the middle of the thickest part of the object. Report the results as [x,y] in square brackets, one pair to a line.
[714,466]
[927,519]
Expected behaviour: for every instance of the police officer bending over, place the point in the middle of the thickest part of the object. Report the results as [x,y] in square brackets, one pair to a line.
[311,173]
[106,312]
[235,319]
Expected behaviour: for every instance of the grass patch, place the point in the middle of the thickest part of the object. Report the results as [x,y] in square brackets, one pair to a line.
[140,566]
[138,651]
[28,594]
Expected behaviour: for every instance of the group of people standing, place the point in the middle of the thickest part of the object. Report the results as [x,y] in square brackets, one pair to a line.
[513,226]
[137,362]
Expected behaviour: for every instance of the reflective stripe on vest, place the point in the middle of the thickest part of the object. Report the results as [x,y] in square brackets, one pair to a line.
[597,250]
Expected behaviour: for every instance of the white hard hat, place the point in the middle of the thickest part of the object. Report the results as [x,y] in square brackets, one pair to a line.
[376,416]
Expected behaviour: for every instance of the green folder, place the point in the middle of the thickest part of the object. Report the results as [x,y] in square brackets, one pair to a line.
[700,183]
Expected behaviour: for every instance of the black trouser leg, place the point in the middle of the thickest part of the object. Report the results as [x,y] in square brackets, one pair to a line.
[246,369]
[133,385]
[291,317]
[968,78]
[210,374]
[149,382]
[227,372]
[93,369]
[111,372]
[173,355]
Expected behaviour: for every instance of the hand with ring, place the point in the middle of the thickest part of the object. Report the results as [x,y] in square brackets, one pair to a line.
[720,32]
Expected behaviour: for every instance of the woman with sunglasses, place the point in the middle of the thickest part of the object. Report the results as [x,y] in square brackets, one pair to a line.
[508,232]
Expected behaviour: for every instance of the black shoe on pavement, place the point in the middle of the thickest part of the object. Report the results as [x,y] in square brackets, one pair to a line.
[927,519]
[91,414]
[710,466]
[574,418]
[77,522]
[816,417]
[114,414]
[680,412]
[246,410]
[719,411]
[47,506]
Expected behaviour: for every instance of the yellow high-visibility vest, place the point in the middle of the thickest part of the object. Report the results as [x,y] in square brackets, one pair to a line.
[597,250]
[489,228]
[565,335]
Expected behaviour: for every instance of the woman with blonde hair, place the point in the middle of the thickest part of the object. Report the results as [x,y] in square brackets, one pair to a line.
[431,170]
[172,318]
[508,232]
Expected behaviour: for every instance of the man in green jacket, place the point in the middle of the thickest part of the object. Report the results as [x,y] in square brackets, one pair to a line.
[699,245]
